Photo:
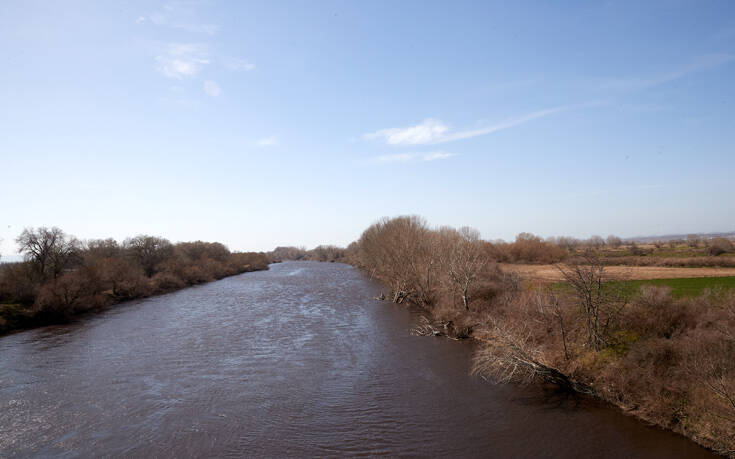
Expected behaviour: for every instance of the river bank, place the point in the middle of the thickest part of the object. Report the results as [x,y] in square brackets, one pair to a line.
[18,317]
[498,346]
[63,277]
[663,359]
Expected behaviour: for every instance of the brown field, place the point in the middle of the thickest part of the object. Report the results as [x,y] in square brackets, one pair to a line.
[551,274]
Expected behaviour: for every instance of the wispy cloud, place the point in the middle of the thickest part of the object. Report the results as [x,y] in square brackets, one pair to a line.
[267,142]
[180,60]
[212,88]
[408,157]
[429,131]
[234,63]
[433,131]
[181,16]
[699,64]
[184,60]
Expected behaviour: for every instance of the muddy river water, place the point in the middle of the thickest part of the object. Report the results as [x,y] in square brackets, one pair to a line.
[295,361]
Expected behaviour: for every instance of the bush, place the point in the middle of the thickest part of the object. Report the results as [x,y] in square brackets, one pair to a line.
[166,282]
[718,246]
[654,313]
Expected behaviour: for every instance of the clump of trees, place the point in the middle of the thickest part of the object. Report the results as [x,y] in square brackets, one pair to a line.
[62,276]
[280,254]
[330,253]
[445,270]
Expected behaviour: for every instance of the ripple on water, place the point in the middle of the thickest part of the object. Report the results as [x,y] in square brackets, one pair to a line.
[295,361]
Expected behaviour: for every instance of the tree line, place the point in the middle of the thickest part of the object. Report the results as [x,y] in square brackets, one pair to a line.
[62,276]
[528,248]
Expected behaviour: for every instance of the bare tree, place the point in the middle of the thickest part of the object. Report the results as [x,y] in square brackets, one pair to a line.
[102,248]
[401,251]
[599,304]
[568,242]
[596,241]
[149,251]
[464,261]
[713,368]
[614,241]
[50,250]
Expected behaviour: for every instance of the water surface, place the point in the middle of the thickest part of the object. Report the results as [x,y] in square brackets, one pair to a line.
[295,361]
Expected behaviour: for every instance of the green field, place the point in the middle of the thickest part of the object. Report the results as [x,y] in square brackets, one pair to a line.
[680,287]
[686,286]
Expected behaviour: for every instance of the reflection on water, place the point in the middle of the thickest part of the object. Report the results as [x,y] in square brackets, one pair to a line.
[295,361]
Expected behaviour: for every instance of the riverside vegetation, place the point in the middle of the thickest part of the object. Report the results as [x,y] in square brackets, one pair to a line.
[669,360]
[63,276]
[664,358]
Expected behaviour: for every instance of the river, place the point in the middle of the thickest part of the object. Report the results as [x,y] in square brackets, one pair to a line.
[295,361]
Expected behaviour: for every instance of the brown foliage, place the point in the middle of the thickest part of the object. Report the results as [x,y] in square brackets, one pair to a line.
[63,277]
[720,245]
[529,248]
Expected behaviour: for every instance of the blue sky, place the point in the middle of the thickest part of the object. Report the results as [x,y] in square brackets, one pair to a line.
[299,123]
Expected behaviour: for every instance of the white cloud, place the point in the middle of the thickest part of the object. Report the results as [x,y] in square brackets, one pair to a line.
[407,157]
[140,20]
[180,60]
[234,63]
[180,16]
[212,88]
[427,132]
[509,123]
[433,131]
[267,142]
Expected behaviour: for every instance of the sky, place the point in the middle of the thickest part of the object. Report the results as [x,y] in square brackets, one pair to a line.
[260,124]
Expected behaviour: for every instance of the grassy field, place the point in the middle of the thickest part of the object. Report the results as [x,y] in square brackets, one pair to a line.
[680,288]
[693,286]
[684,282]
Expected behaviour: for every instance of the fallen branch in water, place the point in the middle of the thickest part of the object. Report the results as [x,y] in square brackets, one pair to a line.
[508,355]
[445,328]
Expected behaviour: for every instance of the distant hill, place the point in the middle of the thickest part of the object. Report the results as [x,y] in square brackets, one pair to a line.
[669,237]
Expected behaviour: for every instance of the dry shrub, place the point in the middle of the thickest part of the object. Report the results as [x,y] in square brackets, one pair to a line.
[195,275]
[711,369]
[17,283]
[69,294]
[529,248]
[166,282]
[720,245]
[654,313]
